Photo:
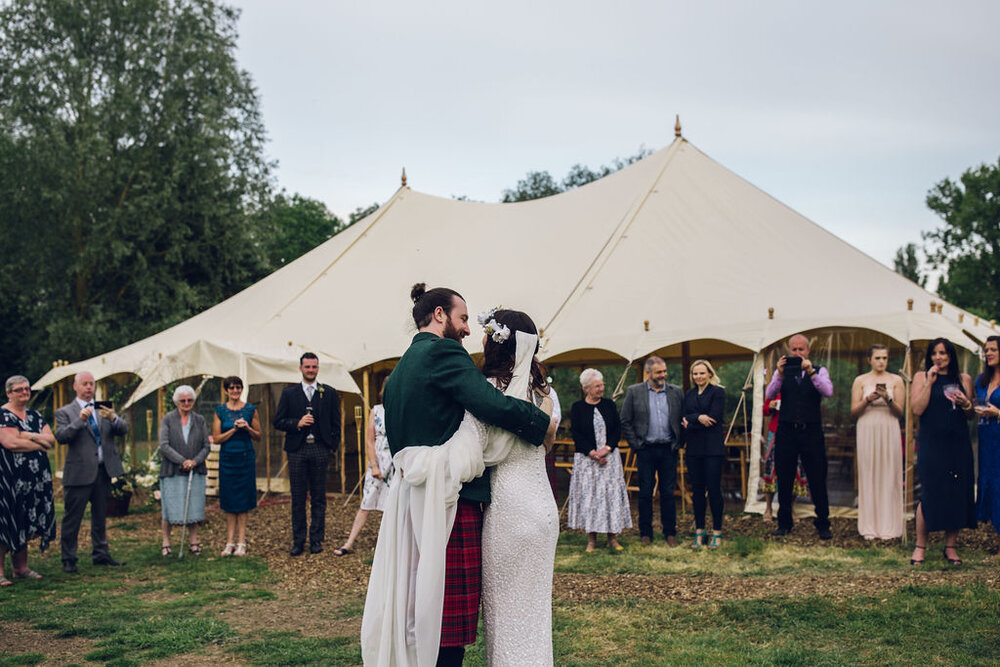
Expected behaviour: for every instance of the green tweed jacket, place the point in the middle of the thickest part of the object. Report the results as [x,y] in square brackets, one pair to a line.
[427,395]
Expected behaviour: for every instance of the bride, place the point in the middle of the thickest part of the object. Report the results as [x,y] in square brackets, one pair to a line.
[521,523]
[402,622]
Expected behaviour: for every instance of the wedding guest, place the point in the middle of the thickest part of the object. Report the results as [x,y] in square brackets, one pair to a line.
[651,424]
[769,478]
[88,429]
[26,507]
[378,477]
[598,499]
[234,428]
[988,409]
[705,439]
[800,432]
[183,450]
[942,397]
[879,448]
[309,414]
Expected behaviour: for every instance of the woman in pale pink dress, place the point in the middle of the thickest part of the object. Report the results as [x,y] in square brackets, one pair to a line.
[880,451]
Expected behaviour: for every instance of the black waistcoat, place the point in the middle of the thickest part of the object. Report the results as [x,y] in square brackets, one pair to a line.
[799,401]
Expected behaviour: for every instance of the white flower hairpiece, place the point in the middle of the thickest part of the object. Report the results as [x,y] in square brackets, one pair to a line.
[485,317]
[498,332]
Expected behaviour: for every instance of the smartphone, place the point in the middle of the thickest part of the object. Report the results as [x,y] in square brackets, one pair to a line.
[102,404]
[880,385]
[793,366]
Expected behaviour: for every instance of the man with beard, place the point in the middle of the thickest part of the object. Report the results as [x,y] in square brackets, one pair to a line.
[426,397]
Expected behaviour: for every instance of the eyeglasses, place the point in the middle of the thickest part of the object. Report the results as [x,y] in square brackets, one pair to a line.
[21,390]
[185,400]
[235,386]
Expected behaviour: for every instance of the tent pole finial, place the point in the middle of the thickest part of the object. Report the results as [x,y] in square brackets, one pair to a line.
[677,126]
[403,178]
[909,304]
[770,313]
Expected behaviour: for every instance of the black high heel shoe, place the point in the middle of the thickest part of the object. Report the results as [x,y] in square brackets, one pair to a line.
[914,561]
[953,561]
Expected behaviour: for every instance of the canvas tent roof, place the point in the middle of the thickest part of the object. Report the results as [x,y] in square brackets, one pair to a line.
[674,239]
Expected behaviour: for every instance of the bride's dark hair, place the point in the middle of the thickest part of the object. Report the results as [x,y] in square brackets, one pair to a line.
[498,358]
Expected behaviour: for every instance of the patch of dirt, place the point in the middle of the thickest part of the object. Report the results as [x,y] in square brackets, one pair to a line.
[688,589]
[18,638]
[332,588]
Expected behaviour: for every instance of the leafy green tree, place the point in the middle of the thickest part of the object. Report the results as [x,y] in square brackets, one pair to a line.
[131,169]
[535,185]
[967,247]
[361,212]
[538,184]
[298,224]
[907,264]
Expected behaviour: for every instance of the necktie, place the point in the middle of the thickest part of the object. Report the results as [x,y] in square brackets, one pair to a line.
[97,431]
[309,393]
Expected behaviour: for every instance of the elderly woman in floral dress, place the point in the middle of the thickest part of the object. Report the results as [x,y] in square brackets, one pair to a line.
[598,499]
[26,507]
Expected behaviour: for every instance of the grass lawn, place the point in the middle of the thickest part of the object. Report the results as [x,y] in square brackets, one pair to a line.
[755,601]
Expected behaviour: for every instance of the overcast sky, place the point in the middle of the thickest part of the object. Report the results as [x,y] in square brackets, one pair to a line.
[848,112]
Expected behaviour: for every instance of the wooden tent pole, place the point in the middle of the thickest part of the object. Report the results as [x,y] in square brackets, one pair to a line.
[343,475]
[366,410]
[908,455]
[266,428]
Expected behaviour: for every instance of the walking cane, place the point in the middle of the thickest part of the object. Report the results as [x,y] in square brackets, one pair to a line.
[187,503]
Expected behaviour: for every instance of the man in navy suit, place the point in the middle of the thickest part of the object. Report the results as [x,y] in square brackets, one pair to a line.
[92,460]
[309,414]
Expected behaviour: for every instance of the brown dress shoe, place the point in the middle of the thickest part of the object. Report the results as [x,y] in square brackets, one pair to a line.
[646,540]
[672,540]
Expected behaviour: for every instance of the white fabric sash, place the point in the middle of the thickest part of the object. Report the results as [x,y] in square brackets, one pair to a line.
[402,619]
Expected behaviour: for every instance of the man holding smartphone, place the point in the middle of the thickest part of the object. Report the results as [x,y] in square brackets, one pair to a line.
[88,428]
[800,432]
[309,414]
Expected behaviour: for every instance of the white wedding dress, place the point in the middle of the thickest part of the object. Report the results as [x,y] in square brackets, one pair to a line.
[401,625]
[520,530]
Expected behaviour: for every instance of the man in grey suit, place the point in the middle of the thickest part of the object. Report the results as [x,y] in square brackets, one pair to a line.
[651,423]
[92,459]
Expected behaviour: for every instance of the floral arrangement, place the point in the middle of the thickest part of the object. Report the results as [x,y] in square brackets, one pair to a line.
[144,476]
[496,331]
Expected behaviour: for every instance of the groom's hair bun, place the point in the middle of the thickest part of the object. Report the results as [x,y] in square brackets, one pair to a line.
[425,301]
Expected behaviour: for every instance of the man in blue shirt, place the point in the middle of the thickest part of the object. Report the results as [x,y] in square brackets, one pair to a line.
[651,423]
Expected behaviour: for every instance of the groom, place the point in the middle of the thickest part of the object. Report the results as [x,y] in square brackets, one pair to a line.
[426,397]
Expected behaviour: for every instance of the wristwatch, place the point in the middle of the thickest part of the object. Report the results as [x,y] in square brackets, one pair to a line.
[888,401]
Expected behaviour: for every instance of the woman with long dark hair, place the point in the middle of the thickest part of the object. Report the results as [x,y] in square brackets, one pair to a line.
[521,523]
[988,410]
[942,397]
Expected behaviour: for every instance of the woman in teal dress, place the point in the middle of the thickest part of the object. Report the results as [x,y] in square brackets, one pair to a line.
[988,410]
[234,428]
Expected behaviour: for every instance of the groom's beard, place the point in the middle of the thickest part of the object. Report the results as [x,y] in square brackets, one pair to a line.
[452,332]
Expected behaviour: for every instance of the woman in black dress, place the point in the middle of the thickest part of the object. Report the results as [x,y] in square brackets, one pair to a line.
[704,437]
[26,507]
[942,397]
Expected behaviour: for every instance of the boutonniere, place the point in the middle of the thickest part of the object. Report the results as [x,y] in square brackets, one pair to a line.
[320,389]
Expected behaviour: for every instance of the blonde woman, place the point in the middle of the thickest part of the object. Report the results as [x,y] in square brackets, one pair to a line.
[704,410]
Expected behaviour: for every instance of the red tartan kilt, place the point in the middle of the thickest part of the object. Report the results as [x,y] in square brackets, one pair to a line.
[463,576]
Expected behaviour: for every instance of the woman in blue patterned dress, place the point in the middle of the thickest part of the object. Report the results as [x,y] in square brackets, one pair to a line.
[988,410]
[234,429]
[377,478]
[26,507]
